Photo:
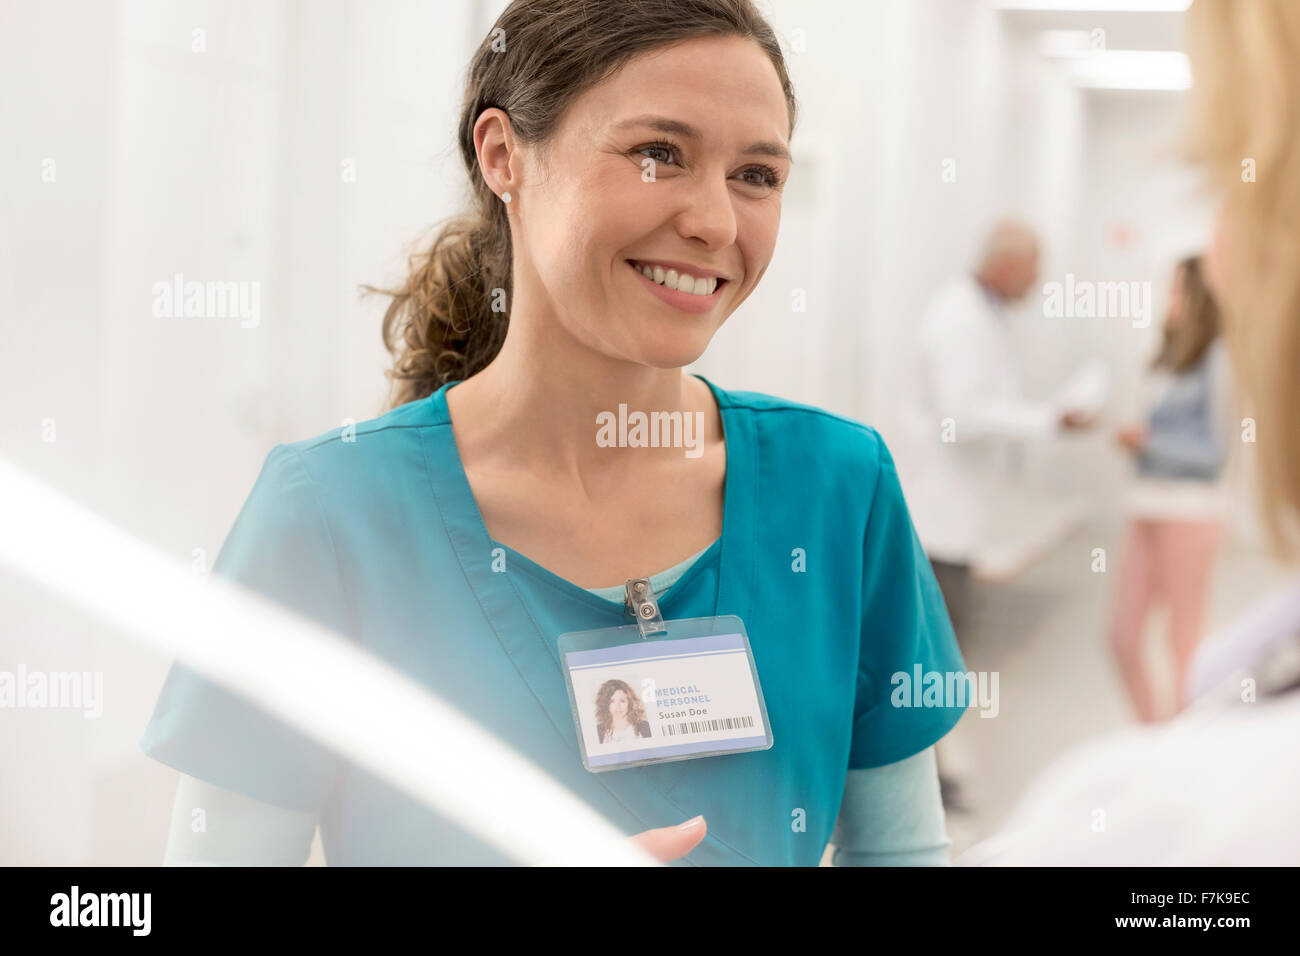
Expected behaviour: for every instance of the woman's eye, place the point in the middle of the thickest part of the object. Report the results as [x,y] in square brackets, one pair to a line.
[667,148]
[766,176]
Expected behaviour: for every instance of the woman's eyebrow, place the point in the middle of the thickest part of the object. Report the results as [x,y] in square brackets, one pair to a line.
[665,125]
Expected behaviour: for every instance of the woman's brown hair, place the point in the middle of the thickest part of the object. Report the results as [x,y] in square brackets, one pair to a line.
[1185,344]
[448,320]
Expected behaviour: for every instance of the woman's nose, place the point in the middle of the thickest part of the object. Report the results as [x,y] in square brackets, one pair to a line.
[710,214]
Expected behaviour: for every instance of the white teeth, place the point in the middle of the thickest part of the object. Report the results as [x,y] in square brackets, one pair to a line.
[681,282]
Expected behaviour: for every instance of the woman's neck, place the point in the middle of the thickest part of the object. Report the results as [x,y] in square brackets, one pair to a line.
[537,405]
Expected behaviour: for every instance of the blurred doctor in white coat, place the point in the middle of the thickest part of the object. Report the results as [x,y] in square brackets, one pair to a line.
[964,411]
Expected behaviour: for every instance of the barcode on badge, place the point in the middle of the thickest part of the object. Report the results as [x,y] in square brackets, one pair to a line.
[702,726]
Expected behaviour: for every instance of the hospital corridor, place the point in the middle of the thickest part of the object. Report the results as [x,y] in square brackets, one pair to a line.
[764,434]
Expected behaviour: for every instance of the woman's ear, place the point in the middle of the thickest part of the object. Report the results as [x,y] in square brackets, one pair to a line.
[494,144]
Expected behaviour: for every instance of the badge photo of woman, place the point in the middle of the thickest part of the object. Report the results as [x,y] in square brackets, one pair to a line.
[626,165]
[620,715]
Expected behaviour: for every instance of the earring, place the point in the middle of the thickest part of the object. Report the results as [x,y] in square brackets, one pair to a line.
[505,197]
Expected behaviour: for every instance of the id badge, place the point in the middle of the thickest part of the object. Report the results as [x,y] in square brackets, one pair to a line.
[658,691]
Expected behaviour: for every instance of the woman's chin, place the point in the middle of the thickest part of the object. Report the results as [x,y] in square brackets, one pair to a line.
[675,351]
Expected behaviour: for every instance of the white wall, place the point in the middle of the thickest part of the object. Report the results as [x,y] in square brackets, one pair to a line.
[225,165]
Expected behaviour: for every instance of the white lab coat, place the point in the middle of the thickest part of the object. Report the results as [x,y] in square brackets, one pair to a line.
[963,409]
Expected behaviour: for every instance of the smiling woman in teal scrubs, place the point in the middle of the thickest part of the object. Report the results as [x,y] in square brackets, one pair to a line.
[460,533]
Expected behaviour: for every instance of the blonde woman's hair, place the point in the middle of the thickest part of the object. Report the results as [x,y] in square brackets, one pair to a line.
[1246,133]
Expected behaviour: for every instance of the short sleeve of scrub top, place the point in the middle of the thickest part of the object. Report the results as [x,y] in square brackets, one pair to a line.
[817,557]
[908,646]
[281,548]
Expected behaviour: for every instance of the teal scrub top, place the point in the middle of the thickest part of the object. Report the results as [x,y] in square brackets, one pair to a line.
[376,535]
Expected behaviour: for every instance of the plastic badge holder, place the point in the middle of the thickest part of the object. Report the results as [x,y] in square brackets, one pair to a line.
[695,683]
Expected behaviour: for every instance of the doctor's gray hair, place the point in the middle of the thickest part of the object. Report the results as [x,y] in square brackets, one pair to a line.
[440,325]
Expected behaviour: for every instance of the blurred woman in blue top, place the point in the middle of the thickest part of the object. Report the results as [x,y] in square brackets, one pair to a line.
[626,166]
[1177,503]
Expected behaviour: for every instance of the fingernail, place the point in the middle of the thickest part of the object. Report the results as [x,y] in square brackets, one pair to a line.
[692,822]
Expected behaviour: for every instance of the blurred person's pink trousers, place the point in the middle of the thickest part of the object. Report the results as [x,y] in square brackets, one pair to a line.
[1168,563]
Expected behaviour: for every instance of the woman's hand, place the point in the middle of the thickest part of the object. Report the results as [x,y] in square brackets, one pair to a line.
[1077,421]
[672,843]
[1132,438]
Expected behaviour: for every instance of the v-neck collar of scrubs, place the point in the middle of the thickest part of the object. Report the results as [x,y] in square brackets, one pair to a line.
[584,596]
[474,545]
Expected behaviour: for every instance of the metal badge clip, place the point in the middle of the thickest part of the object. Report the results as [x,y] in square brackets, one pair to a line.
[642,605]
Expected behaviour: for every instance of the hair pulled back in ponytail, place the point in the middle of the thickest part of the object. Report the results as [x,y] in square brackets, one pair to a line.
[539,56]
[440,326]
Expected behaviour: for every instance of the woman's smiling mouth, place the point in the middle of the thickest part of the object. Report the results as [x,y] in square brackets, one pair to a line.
[695,294]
